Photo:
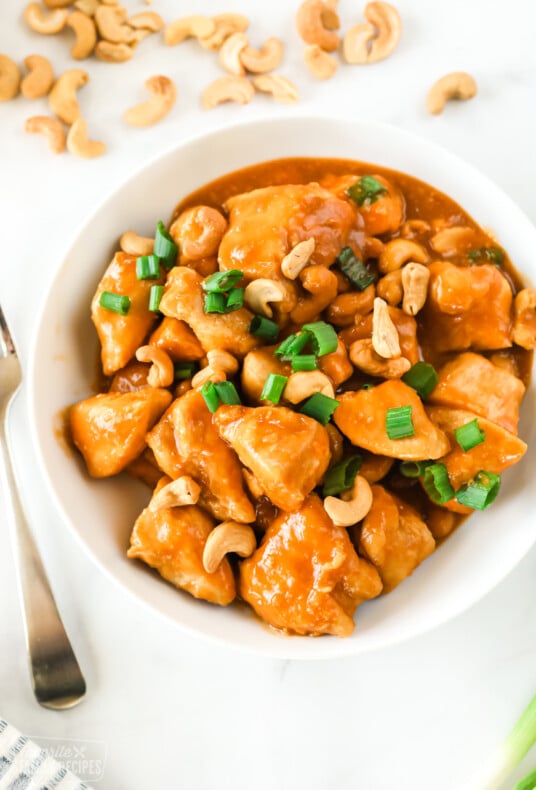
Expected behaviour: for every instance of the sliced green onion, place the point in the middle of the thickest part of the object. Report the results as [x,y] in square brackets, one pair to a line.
[283,347]
[422,377]
[527,783]
[235,300]
[227,393]
[264,328]
[354,269]
[155,297]
[367,386]
[184,370]
[304,362]
[273,387]
[214,303]
[292,345]
[366,189]
[221,282]
[480,492]
[116,303]
[469,435]
[398,422]
[413,469]
[320,407]
[341,476]
[164,247]
[436,484]
[324,337]
[148,267]
[492,255]
[210,396]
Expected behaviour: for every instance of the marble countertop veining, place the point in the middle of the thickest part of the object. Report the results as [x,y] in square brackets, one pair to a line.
[164,709]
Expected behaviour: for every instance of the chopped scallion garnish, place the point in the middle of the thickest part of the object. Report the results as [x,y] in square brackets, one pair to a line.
[221,282]
[527,783]
[184,370]
[116,303]
[155,297]
[421,377]
[492,255]
[413,469]
[436,484]
[164,247]
[480,492]
[292,345]
[303,362]
[235,300]
[320,407]
[354,269]
[398,422]
[273,387]
[325,339]
[210,396]
[264,328]
[284,346]
[341,476]
[366,189]
[227,393]
[469,435]
[215,303]
[148,267]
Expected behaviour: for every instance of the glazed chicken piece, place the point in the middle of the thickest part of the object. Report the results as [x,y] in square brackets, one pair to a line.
[109,429]
[177,340]
[467,307]
[257,365]
[172,541]
[265,224]
[306,577]
[472,382]
[287,452]
[184,299]
[362,415]
[394,538]
[185,442]
[130,378]
[384,213]
[121,335]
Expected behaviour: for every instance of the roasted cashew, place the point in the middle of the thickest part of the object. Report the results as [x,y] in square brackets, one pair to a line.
[457,85]
[41,22]
[181,492]
[224,26]
[157,107]
[113,53]
[57,3]
[86,34]
[78,143]
[321,64]
[228,537]
[230,51]
[39,79]
[297,259]
[259,293]
[112,24]
[51,128]
[9,78]
[198,231]
[147,20]
[267,58]
[524,331]
[316,22]
[136,245]
[415,279]
[352,506]
[62,97]
[188,27]
[304,383]
[208,374]
[281,88]
[87,6]
[377,40]
[365,358]
[389,287]
[385,340]
[321,284]
[237,89]
[413,228]
[162,372]
[400,251]
[217,358]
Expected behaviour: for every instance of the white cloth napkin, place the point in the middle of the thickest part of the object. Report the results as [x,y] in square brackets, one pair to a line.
[26,766]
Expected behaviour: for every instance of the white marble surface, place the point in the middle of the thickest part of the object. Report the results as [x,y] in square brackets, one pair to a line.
[170,710]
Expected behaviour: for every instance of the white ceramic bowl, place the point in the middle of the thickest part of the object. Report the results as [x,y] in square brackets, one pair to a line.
[101,513]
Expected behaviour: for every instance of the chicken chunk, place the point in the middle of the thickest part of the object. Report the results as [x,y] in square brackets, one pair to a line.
[306,577]
[184,299]
[121,335]
[362,416]
[257,365]
[467,307]
[287,452]
[185,442]
[383,213]
[172,541]
[109,429]
[472,382]
[130,378]
[177,339]
[265,224]
[394,538]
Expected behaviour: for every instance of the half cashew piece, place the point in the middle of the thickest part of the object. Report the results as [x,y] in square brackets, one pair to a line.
[62,98]
[86,34]
[457,85]
[281,88]
[147,20]
[321,64]
[297,259]
[385,339]
[347,511]
[87,6]
[373,42]
[78,143]
[225,26]
[179,493]
[113,53]
[51,128]
[304,383]
[188,27]
[259,293]
[9,78]
[133,244]
[39,79]
[415,279]
[268,58]
[228,537]
[41,22]
[316,22]
[230,88]
[157,107]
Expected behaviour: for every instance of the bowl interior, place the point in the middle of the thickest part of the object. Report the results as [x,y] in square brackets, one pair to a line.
[101,513]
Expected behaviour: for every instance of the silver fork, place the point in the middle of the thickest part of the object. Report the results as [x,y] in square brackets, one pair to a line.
[56,677]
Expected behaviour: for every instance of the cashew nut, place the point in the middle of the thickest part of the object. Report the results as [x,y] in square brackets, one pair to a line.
[524,331]
[224,26]
[457,85]
[86,34]
[237,89]
[136,245]
[51,128]
[304,383]
[78,143]
[398,252]
[57,3]
[366,359]
[87,6]
[297,259]
[147,20]
[230,52]
[321,64]
[198,232]
[321,284]
[217,358]
[316,22]
[62,97]
[112,24]
[268,58]
[9,78]
[162,372]
[377,40]
[39,79]
[259,293]
[415,279]
[41,22]
[389,287]
[226,538]
[385,340]
[157,107]
[188,27]
[179,493]
[209,373]
[414,227]
[353,506]
[113,53]
[281,88]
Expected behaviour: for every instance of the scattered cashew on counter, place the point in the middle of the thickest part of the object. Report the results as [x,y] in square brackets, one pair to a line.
[40,77]
[52,128]
[164,94]
[457,85]
[79,144]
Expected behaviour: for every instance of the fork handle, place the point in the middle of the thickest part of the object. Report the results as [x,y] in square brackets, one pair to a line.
[56,676]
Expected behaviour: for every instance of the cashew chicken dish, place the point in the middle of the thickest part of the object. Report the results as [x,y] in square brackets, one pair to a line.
[317,368]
